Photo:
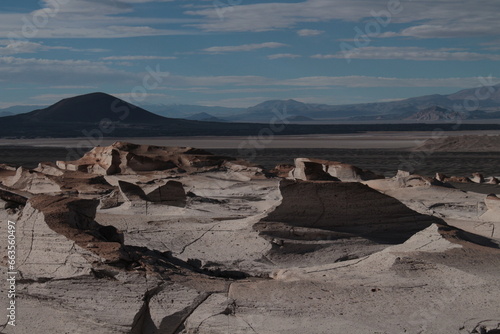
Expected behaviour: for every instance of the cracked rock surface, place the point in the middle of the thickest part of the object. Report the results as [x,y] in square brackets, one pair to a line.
[152,240]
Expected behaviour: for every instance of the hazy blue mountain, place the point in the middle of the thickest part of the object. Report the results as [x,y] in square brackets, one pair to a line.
[186,110]
[205,117]
[6,113]
[392,110]
[14,110]
[98,115]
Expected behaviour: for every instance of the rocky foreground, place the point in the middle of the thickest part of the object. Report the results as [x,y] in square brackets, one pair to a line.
[143,239]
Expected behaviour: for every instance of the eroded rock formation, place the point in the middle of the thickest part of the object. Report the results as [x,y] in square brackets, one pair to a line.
[344,207]
[146,239]
[58,238]
[315,169]
[127,158]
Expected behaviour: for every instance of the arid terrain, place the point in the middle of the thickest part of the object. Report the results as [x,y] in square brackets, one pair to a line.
[150,239]
[250,167]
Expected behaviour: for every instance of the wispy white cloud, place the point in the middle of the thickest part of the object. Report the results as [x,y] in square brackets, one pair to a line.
[208,81]
[87,19]
[447,18]
[53,98]
[309,32]
[138,58]
[367,81]
[62,72]
[319,82]
[70,87]
[409,53]
[23,47]
[283,55]
[85,74]
[244,47]
[391,100]
[252,90]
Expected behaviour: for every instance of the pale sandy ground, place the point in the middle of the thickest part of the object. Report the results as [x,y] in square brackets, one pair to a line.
[388,140]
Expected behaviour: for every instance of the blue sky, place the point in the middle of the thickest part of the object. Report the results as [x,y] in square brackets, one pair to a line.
[238,53]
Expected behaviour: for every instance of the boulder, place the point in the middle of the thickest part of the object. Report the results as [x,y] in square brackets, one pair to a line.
[458,179]
[493,203]
[132,192]
[493,213]
[282,170]
[492,180]
[127,158]
[244,169]
[84,185]
[315,169]
[414,180]
[402,173]
[171,193]
[440,177]
[49,168]
[33,182]
[477,178]
[58,238]
[13,199]
[321,222]
[111,200]
[6,172]
[5,167]
[344,207]
[305,169]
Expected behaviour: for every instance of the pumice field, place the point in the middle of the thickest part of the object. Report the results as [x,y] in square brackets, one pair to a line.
[146,239]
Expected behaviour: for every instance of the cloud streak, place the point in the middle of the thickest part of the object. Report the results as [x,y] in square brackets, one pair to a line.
[87,19]
[62,72]
[309,32]
[319,82]
[410,53]
[25,47]
[138,58]
[244,47]
[283,55]
[447,19]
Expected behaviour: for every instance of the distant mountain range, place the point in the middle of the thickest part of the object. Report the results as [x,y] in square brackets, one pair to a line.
[429,108]
[189,110]
[99,115]
[424,108]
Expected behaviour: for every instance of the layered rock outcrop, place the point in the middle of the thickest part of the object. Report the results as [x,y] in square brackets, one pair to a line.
[343,207]
[336,221]
[316,169]
[58,238]
[171,193]
[33,182]
[492,214]
[127,158]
